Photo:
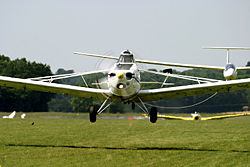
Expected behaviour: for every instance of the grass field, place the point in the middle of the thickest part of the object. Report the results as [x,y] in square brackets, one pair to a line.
[76,142]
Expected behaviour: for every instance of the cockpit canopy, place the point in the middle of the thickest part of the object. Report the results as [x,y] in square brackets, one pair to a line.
[126,57]
[230,66]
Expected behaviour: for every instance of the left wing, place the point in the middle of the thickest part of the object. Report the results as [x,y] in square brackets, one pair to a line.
[100,94]
[192,90]
[173,117]
[96,55]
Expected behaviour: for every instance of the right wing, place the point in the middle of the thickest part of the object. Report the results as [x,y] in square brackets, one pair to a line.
[156,62]
[100,94]
[242,68]
[180,65]
[164,63]
[188,65]
[192,90]
[64,76]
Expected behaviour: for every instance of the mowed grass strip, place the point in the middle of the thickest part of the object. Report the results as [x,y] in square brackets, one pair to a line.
[77,142]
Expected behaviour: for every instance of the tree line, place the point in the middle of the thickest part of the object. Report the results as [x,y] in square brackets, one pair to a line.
[23,100]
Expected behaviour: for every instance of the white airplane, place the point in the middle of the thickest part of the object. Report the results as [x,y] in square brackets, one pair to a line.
[123,84]
[11,115]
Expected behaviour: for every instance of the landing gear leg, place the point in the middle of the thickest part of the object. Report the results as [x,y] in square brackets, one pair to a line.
[153,115]
[94,110]
[133,105]
[92,113]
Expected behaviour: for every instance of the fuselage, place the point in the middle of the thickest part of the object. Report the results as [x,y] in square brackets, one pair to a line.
[230,72]
[196,116]
[124,77]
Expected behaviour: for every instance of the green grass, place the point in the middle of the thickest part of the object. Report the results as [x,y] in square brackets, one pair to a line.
[76,142]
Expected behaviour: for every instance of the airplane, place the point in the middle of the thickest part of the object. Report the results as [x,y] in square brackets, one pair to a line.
[123,84]
[197,116]
[11,115]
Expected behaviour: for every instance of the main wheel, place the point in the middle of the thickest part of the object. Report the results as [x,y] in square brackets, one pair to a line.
[92,113]
[153,115]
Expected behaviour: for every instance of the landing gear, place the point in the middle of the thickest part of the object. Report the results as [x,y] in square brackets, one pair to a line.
[153,115]
[92,113]
[93,110]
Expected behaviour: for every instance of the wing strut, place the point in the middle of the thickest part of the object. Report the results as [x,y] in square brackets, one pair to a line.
[143,107]
[103,107]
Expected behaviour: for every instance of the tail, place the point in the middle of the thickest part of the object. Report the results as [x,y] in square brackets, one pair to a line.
[228,48]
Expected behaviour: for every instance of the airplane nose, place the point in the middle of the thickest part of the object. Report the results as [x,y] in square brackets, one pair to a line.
[120,75]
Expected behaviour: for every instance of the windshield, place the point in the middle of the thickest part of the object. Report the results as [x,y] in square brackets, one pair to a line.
[120,66]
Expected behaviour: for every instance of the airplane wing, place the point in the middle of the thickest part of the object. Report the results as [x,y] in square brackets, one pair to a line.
[197,66]
[173,117]
[192,90]
[168,63]
[28,84]
[96,55]
[180,65]
[187,65]
[156,62]
[242,68]
[224,116]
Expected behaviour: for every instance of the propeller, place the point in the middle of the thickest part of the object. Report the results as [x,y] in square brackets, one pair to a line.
[102,64]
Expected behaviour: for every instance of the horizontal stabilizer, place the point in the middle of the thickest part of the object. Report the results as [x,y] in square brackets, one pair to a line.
[231,48]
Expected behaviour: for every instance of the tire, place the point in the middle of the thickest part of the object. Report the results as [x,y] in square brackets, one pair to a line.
[153,115]
[92,113]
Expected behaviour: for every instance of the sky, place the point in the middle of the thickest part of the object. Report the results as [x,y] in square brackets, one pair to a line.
[49,31]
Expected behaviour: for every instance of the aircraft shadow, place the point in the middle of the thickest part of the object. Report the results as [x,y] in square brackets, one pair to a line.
[126,148]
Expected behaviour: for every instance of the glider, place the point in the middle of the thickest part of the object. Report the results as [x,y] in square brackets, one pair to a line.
[197,116]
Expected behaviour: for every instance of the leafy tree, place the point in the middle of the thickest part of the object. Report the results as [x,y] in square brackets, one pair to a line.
[23,100]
